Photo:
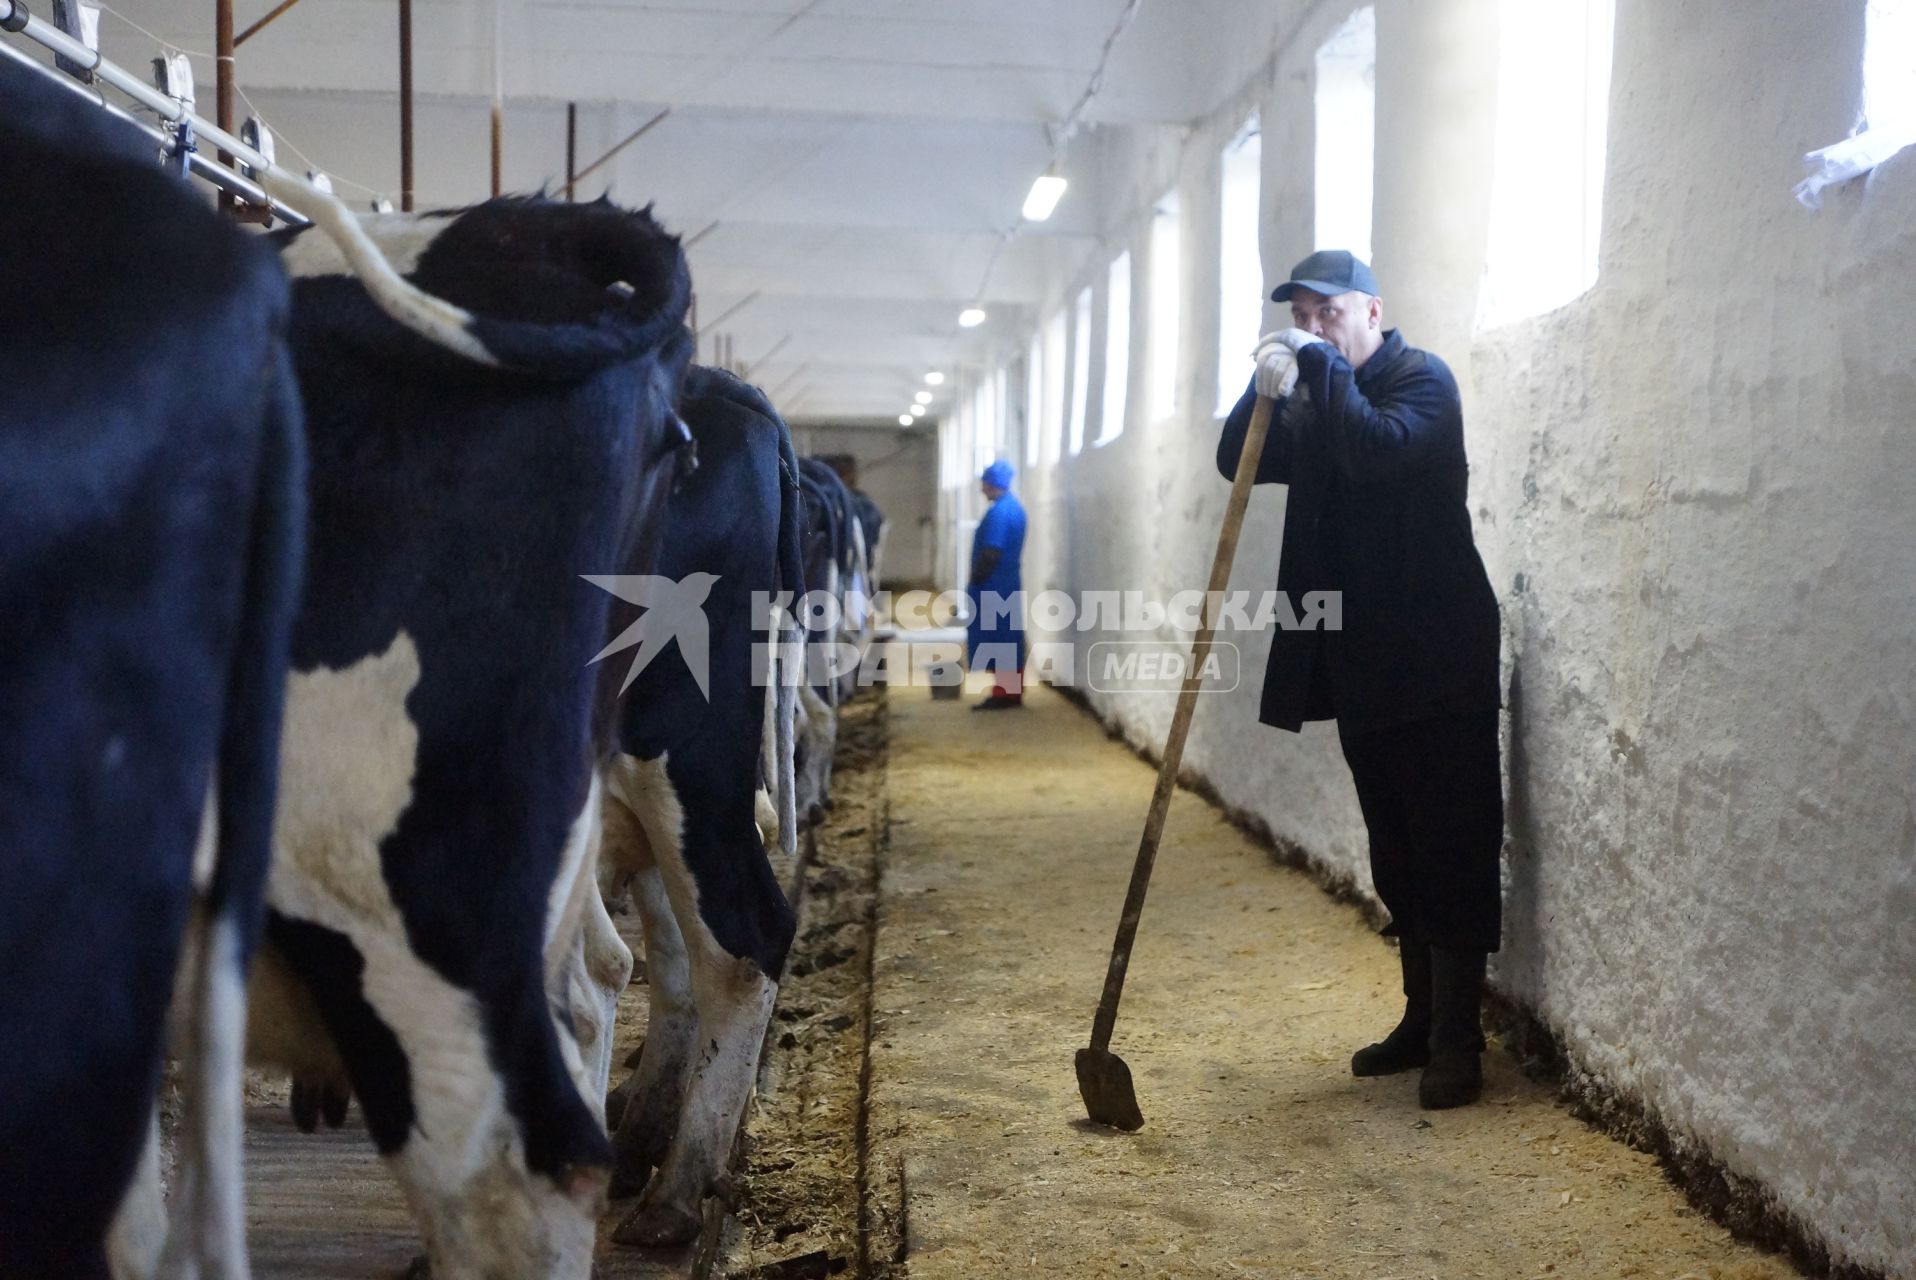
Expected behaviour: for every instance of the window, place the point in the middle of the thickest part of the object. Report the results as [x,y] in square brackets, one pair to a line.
[1889,67]
[984,425]
[1054,371]
[1546,196]
[1241,264]
[1888,121]
[1347,134]
[1080,368]
[1117,348]
[1166,293]
[1034,401]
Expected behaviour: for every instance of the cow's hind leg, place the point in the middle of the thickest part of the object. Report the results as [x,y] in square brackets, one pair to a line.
[658,1085]
[641,809]
[734,994]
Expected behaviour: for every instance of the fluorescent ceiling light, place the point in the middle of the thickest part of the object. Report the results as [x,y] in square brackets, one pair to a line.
[971,317]
[918,411]
[905,419]
[934,379]
[923,397]
[1044,197]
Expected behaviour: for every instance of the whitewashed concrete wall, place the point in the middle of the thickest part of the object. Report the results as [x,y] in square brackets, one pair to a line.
[1695,491]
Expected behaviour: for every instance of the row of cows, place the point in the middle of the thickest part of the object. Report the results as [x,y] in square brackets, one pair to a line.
[305,574]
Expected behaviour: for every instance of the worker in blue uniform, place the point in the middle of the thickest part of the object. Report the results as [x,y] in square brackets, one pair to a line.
[995,636]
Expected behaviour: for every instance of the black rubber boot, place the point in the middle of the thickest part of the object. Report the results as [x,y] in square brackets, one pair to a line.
[1455,1076]
[1408,1045]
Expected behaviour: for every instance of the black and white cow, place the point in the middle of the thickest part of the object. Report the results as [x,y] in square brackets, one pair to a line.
[680,808]
[871,523]
[151,508]
[822,535]
[445,730]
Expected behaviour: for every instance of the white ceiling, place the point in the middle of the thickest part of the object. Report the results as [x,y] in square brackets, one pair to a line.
[852,163]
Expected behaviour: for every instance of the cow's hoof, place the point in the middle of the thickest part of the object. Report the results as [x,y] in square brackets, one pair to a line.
[332,1106]
[305,1106]
[657,1226]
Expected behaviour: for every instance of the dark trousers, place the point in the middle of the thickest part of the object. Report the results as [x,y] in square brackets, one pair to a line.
[1432,796]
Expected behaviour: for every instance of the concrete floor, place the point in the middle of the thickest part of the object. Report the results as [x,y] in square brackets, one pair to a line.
[1011,842]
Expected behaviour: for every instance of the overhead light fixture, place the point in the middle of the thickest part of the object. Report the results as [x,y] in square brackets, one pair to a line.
[934,379]
[923,397]
[905,419]
[1044,197]
[918,411]
[971,317]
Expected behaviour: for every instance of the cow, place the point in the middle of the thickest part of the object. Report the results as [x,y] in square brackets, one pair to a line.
[871,523]
[445,732]
[680,808]
[151,515]
[822,557]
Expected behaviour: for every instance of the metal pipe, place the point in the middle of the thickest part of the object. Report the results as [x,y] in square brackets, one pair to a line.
[498,97]
[257,27]
[405,106]
[571,146]
[217,174]
[738,306]
[777,347]
[223,81]
[630,138]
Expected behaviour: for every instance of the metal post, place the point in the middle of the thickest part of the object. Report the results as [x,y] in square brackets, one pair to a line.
[405,106]
[571,145]
[223,82]
[498,98]
[498,127]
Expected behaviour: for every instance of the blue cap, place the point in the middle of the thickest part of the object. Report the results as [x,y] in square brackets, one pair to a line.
[1330,272]
[998,475]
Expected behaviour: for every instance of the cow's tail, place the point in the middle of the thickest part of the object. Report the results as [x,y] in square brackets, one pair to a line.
[207,1233]
[791,574]
[432,318]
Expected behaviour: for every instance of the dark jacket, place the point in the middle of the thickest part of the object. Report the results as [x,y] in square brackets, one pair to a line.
[1375,461]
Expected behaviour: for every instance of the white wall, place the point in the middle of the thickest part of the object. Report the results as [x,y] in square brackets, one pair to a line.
[1693,491]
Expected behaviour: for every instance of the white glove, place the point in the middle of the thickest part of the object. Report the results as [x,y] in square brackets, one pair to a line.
[1276,371]
[1296,339]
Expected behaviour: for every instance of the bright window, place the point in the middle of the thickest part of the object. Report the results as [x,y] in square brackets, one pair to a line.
[1889,67]
[1166,292]
[1117,348]
[1546,200]
[1888,122]
[1034,400]
[1055,335]
[1080,368]
[1241,264]
[984,418]
[1347,134]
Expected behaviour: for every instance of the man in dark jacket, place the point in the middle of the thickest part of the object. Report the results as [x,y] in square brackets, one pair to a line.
[1368,434]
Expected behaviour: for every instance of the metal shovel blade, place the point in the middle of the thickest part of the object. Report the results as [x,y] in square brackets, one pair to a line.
[1104,1082]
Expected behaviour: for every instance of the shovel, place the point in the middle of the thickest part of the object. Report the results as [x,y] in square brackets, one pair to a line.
[1104,1080]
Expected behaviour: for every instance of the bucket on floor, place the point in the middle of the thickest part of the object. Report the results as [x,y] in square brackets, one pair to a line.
[947,679]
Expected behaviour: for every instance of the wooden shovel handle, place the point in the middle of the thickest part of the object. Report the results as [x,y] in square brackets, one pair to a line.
[1240,500]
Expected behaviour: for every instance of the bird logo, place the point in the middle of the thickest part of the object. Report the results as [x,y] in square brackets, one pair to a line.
[674,610]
